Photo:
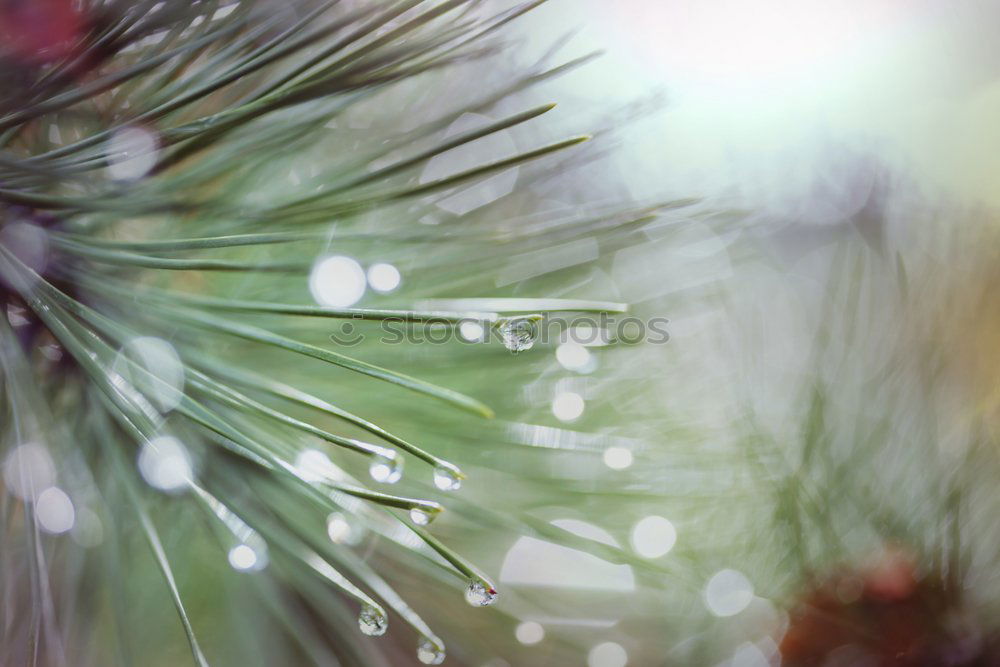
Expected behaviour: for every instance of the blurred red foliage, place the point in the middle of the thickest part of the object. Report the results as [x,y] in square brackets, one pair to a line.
[884,614]
[39,31]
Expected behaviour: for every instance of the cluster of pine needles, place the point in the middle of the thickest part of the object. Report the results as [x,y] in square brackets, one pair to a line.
[138,144]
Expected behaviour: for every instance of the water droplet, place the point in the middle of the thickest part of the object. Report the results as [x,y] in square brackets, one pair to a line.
[518,335]
[429,653]
[480,595]
[447,479]
[372,621]
[421,517]
[386,469]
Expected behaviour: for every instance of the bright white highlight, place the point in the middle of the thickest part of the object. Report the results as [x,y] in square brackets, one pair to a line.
[28,470]
[750,655]
[653,537]
[338,529]
[54,511]
[728,593]
[337,282]
[568,406]
[383,277]
[384,469]
[314,466]
[165,464]
[529,633]
[574,357]
[471,331]
[617,458]
[242,557]
[132,152]
[608,654]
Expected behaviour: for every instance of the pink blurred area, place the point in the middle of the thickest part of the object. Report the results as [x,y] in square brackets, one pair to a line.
[39,30]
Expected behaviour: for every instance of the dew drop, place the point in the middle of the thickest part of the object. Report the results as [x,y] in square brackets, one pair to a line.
[421,517]
[429,653]
[386,469]
[372,621]
[479,595]
[518,335]
[447,479]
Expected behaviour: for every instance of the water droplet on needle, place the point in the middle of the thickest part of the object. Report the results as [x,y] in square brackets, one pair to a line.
[386,469]
[447,479]
[429,653]
[372,621]
[480,595]
[420,516]
[519,334]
